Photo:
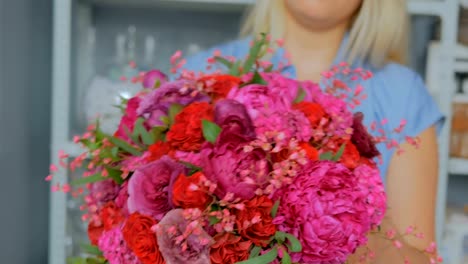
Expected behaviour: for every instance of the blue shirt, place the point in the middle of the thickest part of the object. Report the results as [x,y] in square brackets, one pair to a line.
[394,93]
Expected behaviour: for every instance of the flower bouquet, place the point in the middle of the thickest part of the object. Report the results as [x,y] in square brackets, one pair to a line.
[241,165]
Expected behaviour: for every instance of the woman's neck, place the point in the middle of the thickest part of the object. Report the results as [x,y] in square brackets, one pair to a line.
[312,52]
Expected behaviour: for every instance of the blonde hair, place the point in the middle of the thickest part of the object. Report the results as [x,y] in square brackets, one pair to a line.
[378,33]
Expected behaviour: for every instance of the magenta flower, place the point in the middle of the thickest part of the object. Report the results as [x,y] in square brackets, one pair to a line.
[156,104]
[153,76]
[361,138]
[127,122]
[115,249]
[373,189]
[236,171]
[326,211]
[104,191]
[122,198]
[149,188]
[232,116]
[182,241]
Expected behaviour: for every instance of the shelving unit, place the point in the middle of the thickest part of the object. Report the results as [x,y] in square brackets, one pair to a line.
[73,17]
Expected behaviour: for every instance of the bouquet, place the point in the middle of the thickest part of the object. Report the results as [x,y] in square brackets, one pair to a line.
[239,165]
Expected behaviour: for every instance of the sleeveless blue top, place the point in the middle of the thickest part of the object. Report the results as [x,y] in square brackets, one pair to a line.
[394,93]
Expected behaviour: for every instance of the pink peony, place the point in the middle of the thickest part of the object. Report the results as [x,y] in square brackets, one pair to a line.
[326,211]
[183,241]
[373,189]
[232,116]
[258,97]
[152,77]
[150,185]
[122,197]
[104,191]
[127,122]
[234,170]
[114,248]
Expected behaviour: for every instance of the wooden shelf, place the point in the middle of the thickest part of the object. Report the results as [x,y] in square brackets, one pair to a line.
[458,166]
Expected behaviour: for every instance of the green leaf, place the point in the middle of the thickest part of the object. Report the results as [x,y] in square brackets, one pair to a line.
[300,95]
[157,84]
[193,168]
[125,146]
[263,259]
[90,179]
[340,152]
[76,260]
[258,79]
[224,61]
[90,249]
[96,261]
[115,174]
[234,70]
[139,131]
[286,258]
[326,156]
[214,220]
[210,131]
[280,237]
[269,68]
[158,133]
[294,244]
[255,252]
[253,55]
[166,121]
[174,109]
[115,152]
[274,210]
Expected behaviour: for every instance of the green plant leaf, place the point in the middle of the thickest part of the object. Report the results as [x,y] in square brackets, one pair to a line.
[214,220]
[210,131]
[234,70]
[115,152]
[96,261]
[300,95]
[193,168]
[90,179]
[294,244]
[76,260]
[280,237]
[255,252]
[139,131]
[90,249]
[274,209]
[174,109]
[115,174]
[158,133]
[339,153]
[258,79]
[263,259]
[166,121]
[326,156]
[224,61]
[253,55]
[125,146]
[269,68]
[286,258]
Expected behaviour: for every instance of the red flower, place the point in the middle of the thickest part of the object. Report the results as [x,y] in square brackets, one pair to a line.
[362,139]
[350,157]
[186,133]
[254,222]
[311,152]
[111,216]
[94,232]
[127,122]
[218,86]
[187,192]
[159,149]
[229,249]
[141,239]
[313,111]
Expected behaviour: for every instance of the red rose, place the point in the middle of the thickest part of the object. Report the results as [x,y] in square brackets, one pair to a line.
[94,232]
[350,157]
[186,133]
[229,249]
[141,239]
[218,86]
[111,216]
[311,152]
[257,209]
[313,111]
[159,149]
[188,192]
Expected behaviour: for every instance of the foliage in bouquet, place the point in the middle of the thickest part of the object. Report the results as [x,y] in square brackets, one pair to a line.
[239,165]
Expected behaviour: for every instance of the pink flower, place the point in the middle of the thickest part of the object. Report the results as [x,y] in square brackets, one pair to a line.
[127,122]
[114,248]
[183,241]
[258,97]
[122,197]
[371,186]
[326,211]
[104,191]
[152,77]
[150,185]
[236,171]
[232,116]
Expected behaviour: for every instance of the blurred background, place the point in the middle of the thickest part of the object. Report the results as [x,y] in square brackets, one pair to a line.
[62,63]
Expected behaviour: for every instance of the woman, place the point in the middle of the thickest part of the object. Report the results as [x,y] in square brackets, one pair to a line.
[369,34]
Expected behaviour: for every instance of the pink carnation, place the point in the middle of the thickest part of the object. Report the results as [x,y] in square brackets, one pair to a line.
[326,211]
[115,249]
[149,188]
[373,189]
